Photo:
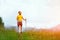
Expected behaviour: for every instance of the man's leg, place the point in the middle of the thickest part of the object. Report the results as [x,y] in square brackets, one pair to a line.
[20,29]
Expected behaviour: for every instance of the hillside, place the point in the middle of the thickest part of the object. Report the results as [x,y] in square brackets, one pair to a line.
[31,34]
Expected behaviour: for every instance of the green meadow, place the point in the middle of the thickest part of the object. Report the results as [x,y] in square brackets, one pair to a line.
[8,34]
[28,35]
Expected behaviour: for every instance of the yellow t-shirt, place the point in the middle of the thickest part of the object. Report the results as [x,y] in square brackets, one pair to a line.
[19,18]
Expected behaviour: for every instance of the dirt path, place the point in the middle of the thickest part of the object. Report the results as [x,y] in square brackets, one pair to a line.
[20,36]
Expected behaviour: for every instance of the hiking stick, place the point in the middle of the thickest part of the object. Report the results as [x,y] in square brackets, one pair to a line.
[26,23]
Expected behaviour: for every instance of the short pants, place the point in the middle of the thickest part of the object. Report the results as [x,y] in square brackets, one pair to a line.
[19,24]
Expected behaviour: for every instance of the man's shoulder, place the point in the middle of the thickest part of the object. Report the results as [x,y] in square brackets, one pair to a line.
[19,15]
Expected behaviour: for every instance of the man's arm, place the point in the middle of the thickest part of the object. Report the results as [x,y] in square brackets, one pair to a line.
[17,18]
[24,19]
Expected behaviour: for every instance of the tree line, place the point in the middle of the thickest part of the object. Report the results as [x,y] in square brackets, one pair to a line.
[1,22]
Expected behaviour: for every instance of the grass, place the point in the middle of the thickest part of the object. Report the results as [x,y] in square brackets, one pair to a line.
[31,35]
[8,34]
[28,35]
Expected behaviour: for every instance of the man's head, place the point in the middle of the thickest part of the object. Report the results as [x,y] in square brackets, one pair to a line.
[19,12]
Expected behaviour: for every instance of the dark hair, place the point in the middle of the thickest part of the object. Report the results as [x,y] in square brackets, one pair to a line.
[19,12]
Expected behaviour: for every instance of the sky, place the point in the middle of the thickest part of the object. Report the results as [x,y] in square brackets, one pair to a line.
[39,13]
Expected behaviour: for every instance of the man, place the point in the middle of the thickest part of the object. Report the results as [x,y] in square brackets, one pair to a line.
[19,21]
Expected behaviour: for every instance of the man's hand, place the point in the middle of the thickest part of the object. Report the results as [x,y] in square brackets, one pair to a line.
[25,19]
